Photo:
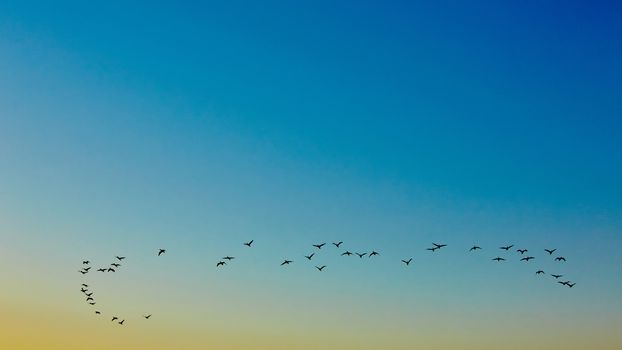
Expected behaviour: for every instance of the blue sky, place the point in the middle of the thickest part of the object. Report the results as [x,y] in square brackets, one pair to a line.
[390,125]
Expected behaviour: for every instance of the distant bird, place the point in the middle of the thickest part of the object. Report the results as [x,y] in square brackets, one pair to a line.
[86,269]
[550,251]
[346,253]
[83,272]
[439,246]
[114,318]
[407,262]
[120,257]
[498,259]
[147,316]
[570,285]
[85,285]
[373,253]
[309,256]
[221,263]
[522,251]
[557,276]
[88,294]
[101,270]
[248,244]
[320,268]
[539,272]
[93,303]
[85,262]
[83,290]
[474,248]
[97,313]
[560,258]
[110,269]
[286,262]
[361,254]
[564,282]
[507,247]
[527,258]
[161,251]
[432,249]
[115,264]
[89,299]
[121,322]
[337,244]
[319,246]
[228,258]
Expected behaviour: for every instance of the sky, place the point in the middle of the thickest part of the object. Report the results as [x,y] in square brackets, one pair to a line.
[195,127]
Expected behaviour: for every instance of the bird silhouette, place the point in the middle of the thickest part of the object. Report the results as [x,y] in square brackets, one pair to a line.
[337,244]
[432,249]
[522,251]
[86,269]
[439,246]
[560,258]
[570,285]
[309,256]
[407,262]
[86,262]
[147,316]
[361,254]
[248,244]
[565,283]
[88,294]
[110,269]
[373,253]
[85,285]
[221,263]
[114,318]
[286,262]
[97,313]
[115,264]
[93,303]
[550,251]
[498,259]
[346,253]
[229,258]
[319,246]
[539,272]
[527,258]
[474,248]
[161,251]
[557,276]
[507,247]
[89,299]
[83,290]
[101,270]
[83,272]
[121,322]
[120,257]
[320,268]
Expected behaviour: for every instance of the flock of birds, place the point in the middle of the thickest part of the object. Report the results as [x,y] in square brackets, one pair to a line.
[227,259]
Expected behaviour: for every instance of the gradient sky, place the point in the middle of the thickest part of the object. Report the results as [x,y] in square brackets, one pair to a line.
[388,125]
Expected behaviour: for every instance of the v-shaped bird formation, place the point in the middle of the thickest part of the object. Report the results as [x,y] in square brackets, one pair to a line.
[519,256]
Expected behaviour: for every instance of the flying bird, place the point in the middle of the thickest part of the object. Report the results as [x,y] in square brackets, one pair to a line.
[97,313]
[88,294]
[85,285]
[221,263]
[147,316]
[361,254]
[110,269]
[346,253]
[565,283]
[550,251]
[474,248]
[101,270]
[439,246]
[507,247]
[539,272]
[89,299]
[115,264]
[522,251]
[432,249]
[229,258]
[570,285]
[85,262]
[86,269]
[121,322]
[557,276]
[93,303]
[120,257]
[407,262]
[286,262]
[337,244]
[309,256]
[319,246]
[114,318]
[527,258]
[83,290]
[83,272]
[560,258]
[161,251]
[498,259]
[320,268]
[373,253]
[248,244]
